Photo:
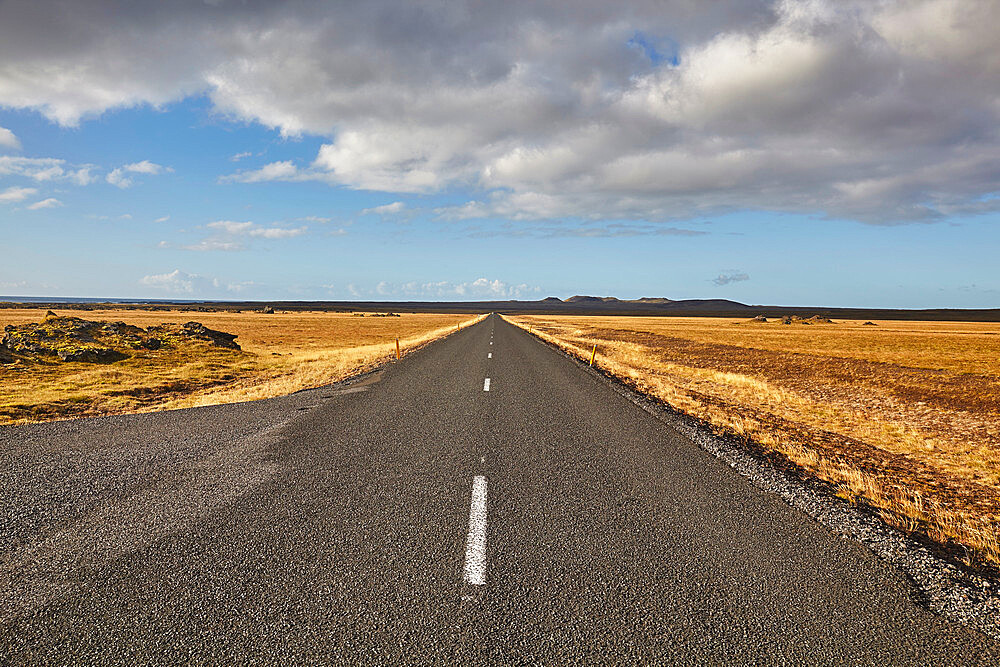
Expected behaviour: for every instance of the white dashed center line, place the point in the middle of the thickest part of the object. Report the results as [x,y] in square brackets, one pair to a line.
[486,385]
[489,356]
[475,547]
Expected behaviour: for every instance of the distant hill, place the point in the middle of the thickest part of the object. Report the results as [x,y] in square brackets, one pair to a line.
[593,299]
[574,305]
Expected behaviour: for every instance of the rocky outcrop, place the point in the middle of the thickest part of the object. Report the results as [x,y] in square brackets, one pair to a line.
[194,331]
[74,339]
[92,355]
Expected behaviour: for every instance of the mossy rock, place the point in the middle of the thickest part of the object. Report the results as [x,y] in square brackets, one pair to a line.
[93,355]
[76,339]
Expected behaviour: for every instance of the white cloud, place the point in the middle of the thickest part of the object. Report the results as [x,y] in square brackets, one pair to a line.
[481,288]
[386,209]
[215,245]
[82,176]
[51,202]
[191,284]
[240,156]
[46,169]
[275,171]
[37,168]
[146,167]
[8,140]
[176,281]
[162,219]
[727,277]
[16,194]
[119,178]
[255,230]
[231,234]
[639,110]
[232,227]
[278,232]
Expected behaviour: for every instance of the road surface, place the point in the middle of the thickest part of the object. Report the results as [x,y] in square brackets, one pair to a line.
[482,501]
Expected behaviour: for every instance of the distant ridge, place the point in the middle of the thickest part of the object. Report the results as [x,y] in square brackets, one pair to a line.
[592,299]
[575,305]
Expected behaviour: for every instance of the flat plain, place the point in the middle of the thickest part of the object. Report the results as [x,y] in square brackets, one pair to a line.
[902,417]
[281,353]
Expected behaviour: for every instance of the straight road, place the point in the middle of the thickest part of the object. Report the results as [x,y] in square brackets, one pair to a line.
[482,501]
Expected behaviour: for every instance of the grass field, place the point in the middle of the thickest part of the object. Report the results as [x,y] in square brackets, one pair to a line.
[282,353]
[903,417]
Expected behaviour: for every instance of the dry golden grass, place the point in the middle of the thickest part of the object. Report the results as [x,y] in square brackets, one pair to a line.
[282,353]
[903,416]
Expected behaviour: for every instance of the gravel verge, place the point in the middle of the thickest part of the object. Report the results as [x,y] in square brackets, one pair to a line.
[941,584]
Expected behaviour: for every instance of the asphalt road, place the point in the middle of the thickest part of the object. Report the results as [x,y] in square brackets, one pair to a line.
[340,526]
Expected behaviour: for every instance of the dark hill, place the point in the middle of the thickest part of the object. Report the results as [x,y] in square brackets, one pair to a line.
[592,299]
[590,305]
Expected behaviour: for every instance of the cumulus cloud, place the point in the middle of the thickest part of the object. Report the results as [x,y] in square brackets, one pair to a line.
[83,176]
[191,284]
[51,202]
[386,209]
[255,230]
[119,176]
[275,171]
[559,229]
[727,277]
[639,110]
[16,194]
[481,288]
[146,167]
[39,169]
[232,235]
[176,281]
[8,140]
[46,169]
[213,245]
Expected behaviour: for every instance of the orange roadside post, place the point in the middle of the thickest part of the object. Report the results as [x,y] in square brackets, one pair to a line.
[397,349]
[593,354]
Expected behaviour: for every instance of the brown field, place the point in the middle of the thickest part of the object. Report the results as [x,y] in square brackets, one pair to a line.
[903,417]
[282,353]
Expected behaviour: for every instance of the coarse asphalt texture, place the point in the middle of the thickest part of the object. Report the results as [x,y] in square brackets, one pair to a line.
[330,527]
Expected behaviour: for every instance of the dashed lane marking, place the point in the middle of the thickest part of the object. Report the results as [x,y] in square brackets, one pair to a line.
[475,546]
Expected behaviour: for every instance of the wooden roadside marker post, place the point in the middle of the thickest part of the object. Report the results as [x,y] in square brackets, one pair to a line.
[593,354]
[397,349]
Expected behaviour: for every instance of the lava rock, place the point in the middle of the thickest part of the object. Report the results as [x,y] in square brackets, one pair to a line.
[92,355]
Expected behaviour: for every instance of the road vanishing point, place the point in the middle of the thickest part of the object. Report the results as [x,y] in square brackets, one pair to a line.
[485,500]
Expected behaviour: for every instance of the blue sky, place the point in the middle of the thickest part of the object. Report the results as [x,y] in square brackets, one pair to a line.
[502,173]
